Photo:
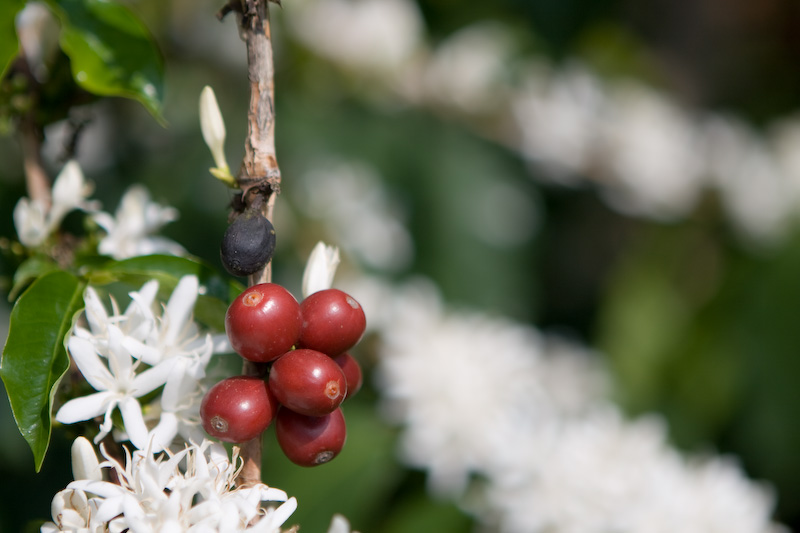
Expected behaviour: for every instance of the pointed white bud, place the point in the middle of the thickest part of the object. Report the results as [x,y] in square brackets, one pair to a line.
[213,127]
[320,268]
[84,461]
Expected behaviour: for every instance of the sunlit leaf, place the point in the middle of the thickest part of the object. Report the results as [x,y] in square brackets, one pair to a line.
[34,358]
[111,51]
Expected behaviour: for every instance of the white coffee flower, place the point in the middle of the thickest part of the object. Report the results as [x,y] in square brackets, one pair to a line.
[320,268]
[130,232]
[171,338]
[382,35]
[35,221]
[119,386]
[192,491]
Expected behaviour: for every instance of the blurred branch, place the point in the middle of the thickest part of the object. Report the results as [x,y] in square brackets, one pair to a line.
[31,136]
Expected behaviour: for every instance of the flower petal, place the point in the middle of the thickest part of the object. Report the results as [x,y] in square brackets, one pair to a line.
[152,378]
[134,421]
[161,436]
[179,308]
[29,220]
[95,312]
[70,189]
[90,364]
[85,407]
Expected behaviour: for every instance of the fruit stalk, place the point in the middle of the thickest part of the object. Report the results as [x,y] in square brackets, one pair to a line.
[259,173]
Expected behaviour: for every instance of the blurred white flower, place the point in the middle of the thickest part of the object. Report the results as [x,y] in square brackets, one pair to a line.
[129,233]
[758,194]
[468,71]
[647,154]
[653,153]
[30,220]
[528,415]
[35,222]
[192,491]
[381,34]
[115,377]
[359,213]
[339,524]
[320,268]
[558,115]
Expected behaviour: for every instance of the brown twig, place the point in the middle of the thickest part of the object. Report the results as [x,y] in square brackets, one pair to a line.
[259,173]
[31,136]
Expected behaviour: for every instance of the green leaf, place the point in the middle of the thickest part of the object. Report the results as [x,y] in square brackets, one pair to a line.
[167,270]
[111,51]
[34,358]
[29,270]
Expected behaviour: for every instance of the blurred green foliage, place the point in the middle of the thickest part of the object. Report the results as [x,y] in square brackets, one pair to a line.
[695,324]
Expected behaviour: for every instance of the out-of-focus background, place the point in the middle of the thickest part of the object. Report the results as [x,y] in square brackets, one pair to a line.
[624,174]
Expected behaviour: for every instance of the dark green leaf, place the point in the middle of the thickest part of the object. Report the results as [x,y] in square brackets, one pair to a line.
[28,271]
[34,358]
[9,43]
[167,270]
[111,51]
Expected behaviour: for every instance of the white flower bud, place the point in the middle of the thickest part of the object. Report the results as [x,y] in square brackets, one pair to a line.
[212,126]
[84,461]
[70,510]
[320,269]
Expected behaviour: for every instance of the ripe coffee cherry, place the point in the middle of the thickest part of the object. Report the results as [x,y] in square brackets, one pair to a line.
[263,322]
[238,409]
[308,382]
[352,373]
[333,322]
[310,440]
[248,243]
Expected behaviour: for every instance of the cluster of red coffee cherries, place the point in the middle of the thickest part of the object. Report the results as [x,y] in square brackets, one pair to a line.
[310,371]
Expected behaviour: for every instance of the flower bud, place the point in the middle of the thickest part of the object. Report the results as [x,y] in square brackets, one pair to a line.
[213,127]
[320,269]
[84,461]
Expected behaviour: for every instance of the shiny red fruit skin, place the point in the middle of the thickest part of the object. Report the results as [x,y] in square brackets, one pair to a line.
[352,373]
[263,322]
[310,440]
[333,322]
[308,382]
[238,409]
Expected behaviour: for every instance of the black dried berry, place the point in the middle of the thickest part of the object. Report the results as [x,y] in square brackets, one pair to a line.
[248,243]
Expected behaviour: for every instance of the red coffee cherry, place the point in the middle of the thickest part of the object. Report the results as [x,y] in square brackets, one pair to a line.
[333,322]
[310,440]
[238,409]
[307,382]
[263,322]
[352,373]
